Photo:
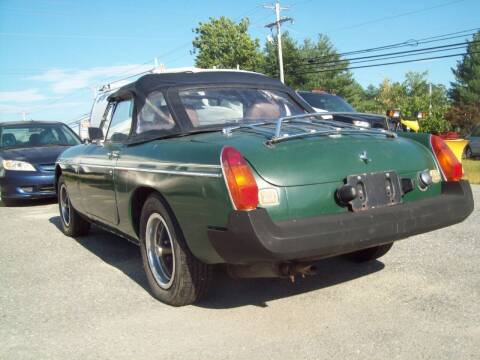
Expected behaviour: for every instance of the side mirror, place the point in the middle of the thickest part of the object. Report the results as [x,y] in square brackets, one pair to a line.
[95,134]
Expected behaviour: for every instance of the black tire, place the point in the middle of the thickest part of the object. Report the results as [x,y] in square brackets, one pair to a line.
[467,153]
[75,225]
[8,203]
[189,278]
[369,254]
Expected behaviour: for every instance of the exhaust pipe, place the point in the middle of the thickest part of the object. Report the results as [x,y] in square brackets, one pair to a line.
[303,269]
[271,270]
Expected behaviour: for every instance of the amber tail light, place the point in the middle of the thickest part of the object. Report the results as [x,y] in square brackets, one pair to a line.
[241,184]
[451,168]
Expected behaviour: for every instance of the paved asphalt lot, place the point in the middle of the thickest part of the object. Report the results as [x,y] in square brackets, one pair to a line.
[62,298]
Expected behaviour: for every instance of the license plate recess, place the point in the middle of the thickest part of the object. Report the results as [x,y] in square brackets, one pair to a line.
[375,190]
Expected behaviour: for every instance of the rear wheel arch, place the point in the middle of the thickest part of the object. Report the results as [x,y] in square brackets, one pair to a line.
[467,152]
[58,173]
[174,274]
[138,199]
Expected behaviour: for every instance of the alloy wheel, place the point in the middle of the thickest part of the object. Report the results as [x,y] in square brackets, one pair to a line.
[65,205]
[160,250]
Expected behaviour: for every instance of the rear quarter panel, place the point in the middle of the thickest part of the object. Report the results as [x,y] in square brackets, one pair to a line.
[196,201]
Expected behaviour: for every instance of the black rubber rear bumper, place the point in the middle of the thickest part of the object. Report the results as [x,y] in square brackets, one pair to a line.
[252,237]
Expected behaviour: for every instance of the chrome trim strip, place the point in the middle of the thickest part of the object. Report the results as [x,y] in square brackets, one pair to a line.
[166,164]
[172,172]
[156,171]
[225,180]
[97,166]
[193,165]
[190,165]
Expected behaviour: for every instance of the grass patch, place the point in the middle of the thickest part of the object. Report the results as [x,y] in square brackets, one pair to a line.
[472,170]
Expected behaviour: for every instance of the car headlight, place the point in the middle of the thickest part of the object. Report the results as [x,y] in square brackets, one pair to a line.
[361,123]
[16,165]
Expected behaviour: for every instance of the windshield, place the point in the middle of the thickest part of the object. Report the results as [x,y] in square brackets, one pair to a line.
[327,102]
[217,106]
[36,135]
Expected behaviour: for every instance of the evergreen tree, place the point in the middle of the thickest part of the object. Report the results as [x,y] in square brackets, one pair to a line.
[292,60]
[304,66]
[465,91]
[321,56]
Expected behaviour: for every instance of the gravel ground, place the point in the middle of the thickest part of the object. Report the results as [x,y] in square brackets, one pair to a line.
[62,298]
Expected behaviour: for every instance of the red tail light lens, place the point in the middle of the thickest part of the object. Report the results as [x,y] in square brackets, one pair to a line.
[241,184]
[451,168]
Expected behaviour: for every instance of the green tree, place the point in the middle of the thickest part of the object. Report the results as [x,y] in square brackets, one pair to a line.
[304,66]
[410,96]
[292,60]
[465,91]
[325,69]
[390,95]
[418,98]
[368,100]
[222,43]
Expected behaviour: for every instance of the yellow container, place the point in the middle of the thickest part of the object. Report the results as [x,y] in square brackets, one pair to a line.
[411,124]
[457,146]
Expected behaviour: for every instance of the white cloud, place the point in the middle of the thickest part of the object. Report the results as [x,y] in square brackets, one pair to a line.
[10,109]
[17,109]
[61,85]
[66,81]
[22,96]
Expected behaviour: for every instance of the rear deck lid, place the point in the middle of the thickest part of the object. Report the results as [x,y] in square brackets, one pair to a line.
[323,159]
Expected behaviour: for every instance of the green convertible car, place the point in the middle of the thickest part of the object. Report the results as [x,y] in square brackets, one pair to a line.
[228,167]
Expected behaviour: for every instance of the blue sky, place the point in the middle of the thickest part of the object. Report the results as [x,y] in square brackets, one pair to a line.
[53,53]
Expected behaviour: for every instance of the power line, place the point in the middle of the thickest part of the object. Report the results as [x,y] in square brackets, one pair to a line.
[397,15]
[170,52]
[419,52]
[411,42]
[405,53]
[389,63]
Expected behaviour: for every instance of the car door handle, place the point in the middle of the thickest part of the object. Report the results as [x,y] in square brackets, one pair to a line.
[113,155]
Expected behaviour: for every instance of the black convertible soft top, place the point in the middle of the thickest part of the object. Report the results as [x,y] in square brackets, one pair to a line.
[151,82]
[164,82]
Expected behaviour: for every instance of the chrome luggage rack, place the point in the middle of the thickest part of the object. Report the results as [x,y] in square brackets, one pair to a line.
[323,126]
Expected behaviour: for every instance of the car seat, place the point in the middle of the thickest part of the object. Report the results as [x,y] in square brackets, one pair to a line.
[9,139]
[34,139]
[262,110]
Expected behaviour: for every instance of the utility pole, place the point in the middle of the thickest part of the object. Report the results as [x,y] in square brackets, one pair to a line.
[430,99]
[277,24]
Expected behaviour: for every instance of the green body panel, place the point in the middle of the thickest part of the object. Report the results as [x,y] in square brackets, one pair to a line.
[323,159]
[306,172]
[313,200]
[422,138]
[196,201]
[186,172]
